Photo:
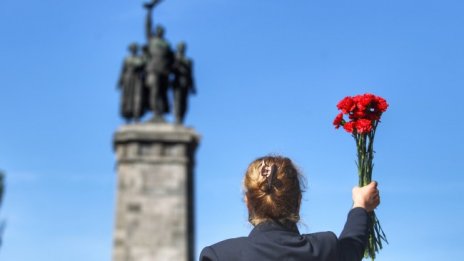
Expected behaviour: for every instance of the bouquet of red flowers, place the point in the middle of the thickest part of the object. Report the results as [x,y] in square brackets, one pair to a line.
[364,112]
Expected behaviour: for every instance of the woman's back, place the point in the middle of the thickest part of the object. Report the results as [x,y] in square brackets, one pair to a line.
[273,197]
[272,241]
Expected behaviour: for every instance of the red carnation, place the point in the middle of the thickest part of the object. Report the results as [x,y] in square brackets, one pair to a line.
[364,112]
[338,121]
[349,126]
[363,102]
[363,126]
[357,114]
[382,104]
[373,116]
[346,105]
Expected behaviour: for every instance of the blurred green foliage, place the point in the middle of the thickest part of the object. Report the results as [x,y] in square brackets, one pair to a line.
[2,190]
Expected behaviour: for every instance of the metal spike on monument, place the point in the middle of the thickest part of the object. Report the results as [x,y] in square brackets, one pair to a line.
[155,158]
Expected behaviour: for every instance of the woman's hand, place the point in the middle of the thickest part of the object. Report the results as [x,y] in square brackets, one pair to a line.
[366,197]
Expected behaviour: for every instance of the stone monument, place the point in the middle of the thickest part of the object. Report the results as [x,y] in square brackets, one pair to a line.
[155,204]
[155,159]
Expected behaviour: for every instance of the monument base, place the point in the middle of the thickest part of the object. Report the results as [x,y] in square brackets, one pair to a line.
[154,216]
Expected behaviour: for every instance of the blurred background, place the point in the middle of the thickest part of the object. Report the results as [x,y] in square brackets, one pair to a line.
[269,74]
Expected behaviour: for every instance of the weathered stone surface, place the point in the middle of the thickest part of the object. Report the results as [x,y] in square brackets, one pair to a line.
[154,216]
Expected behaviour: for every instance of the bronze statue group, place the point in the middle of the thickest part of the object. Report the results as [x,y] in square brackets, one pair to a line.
[150,72]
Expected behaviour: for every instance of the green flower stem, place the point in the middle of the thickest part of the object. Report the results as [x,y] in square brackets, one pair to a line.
[365,153]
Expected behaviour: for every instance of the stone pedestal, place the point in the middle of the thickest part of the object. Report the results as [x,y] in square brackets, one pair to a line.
[154,216]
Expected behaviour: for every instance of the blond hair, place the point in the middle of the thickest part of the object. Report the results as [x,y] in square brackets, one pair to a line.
[275,196]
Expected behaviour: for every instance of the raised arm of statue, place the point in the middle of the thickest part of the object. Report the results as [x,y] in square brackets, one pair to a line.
[148,25]
[148,21]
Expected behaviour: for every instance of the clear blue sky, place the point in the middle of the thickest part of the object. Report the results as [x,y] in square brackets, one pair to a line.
[269,74]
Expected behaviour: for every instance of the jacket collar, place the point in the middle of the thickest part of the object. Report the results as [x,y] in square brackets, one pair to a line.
[273,225]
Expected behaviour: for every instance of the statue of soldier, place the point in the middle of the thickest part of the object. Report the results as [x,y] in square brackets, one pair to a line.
[130,82]
[158,66]
[183,82]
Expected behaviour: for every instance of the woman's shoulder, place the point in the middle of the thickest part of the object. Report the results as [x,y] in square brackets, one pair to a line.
[322,238]
[230,242]
[325,242]
[227,249]
[327,235]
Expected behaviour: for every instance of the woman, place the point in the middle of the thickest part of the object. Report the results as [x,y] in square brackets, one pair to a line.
[273,198]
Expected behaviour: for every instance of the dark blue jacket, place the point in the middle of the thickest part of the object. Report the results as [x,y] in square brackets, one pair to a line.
[272,241]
